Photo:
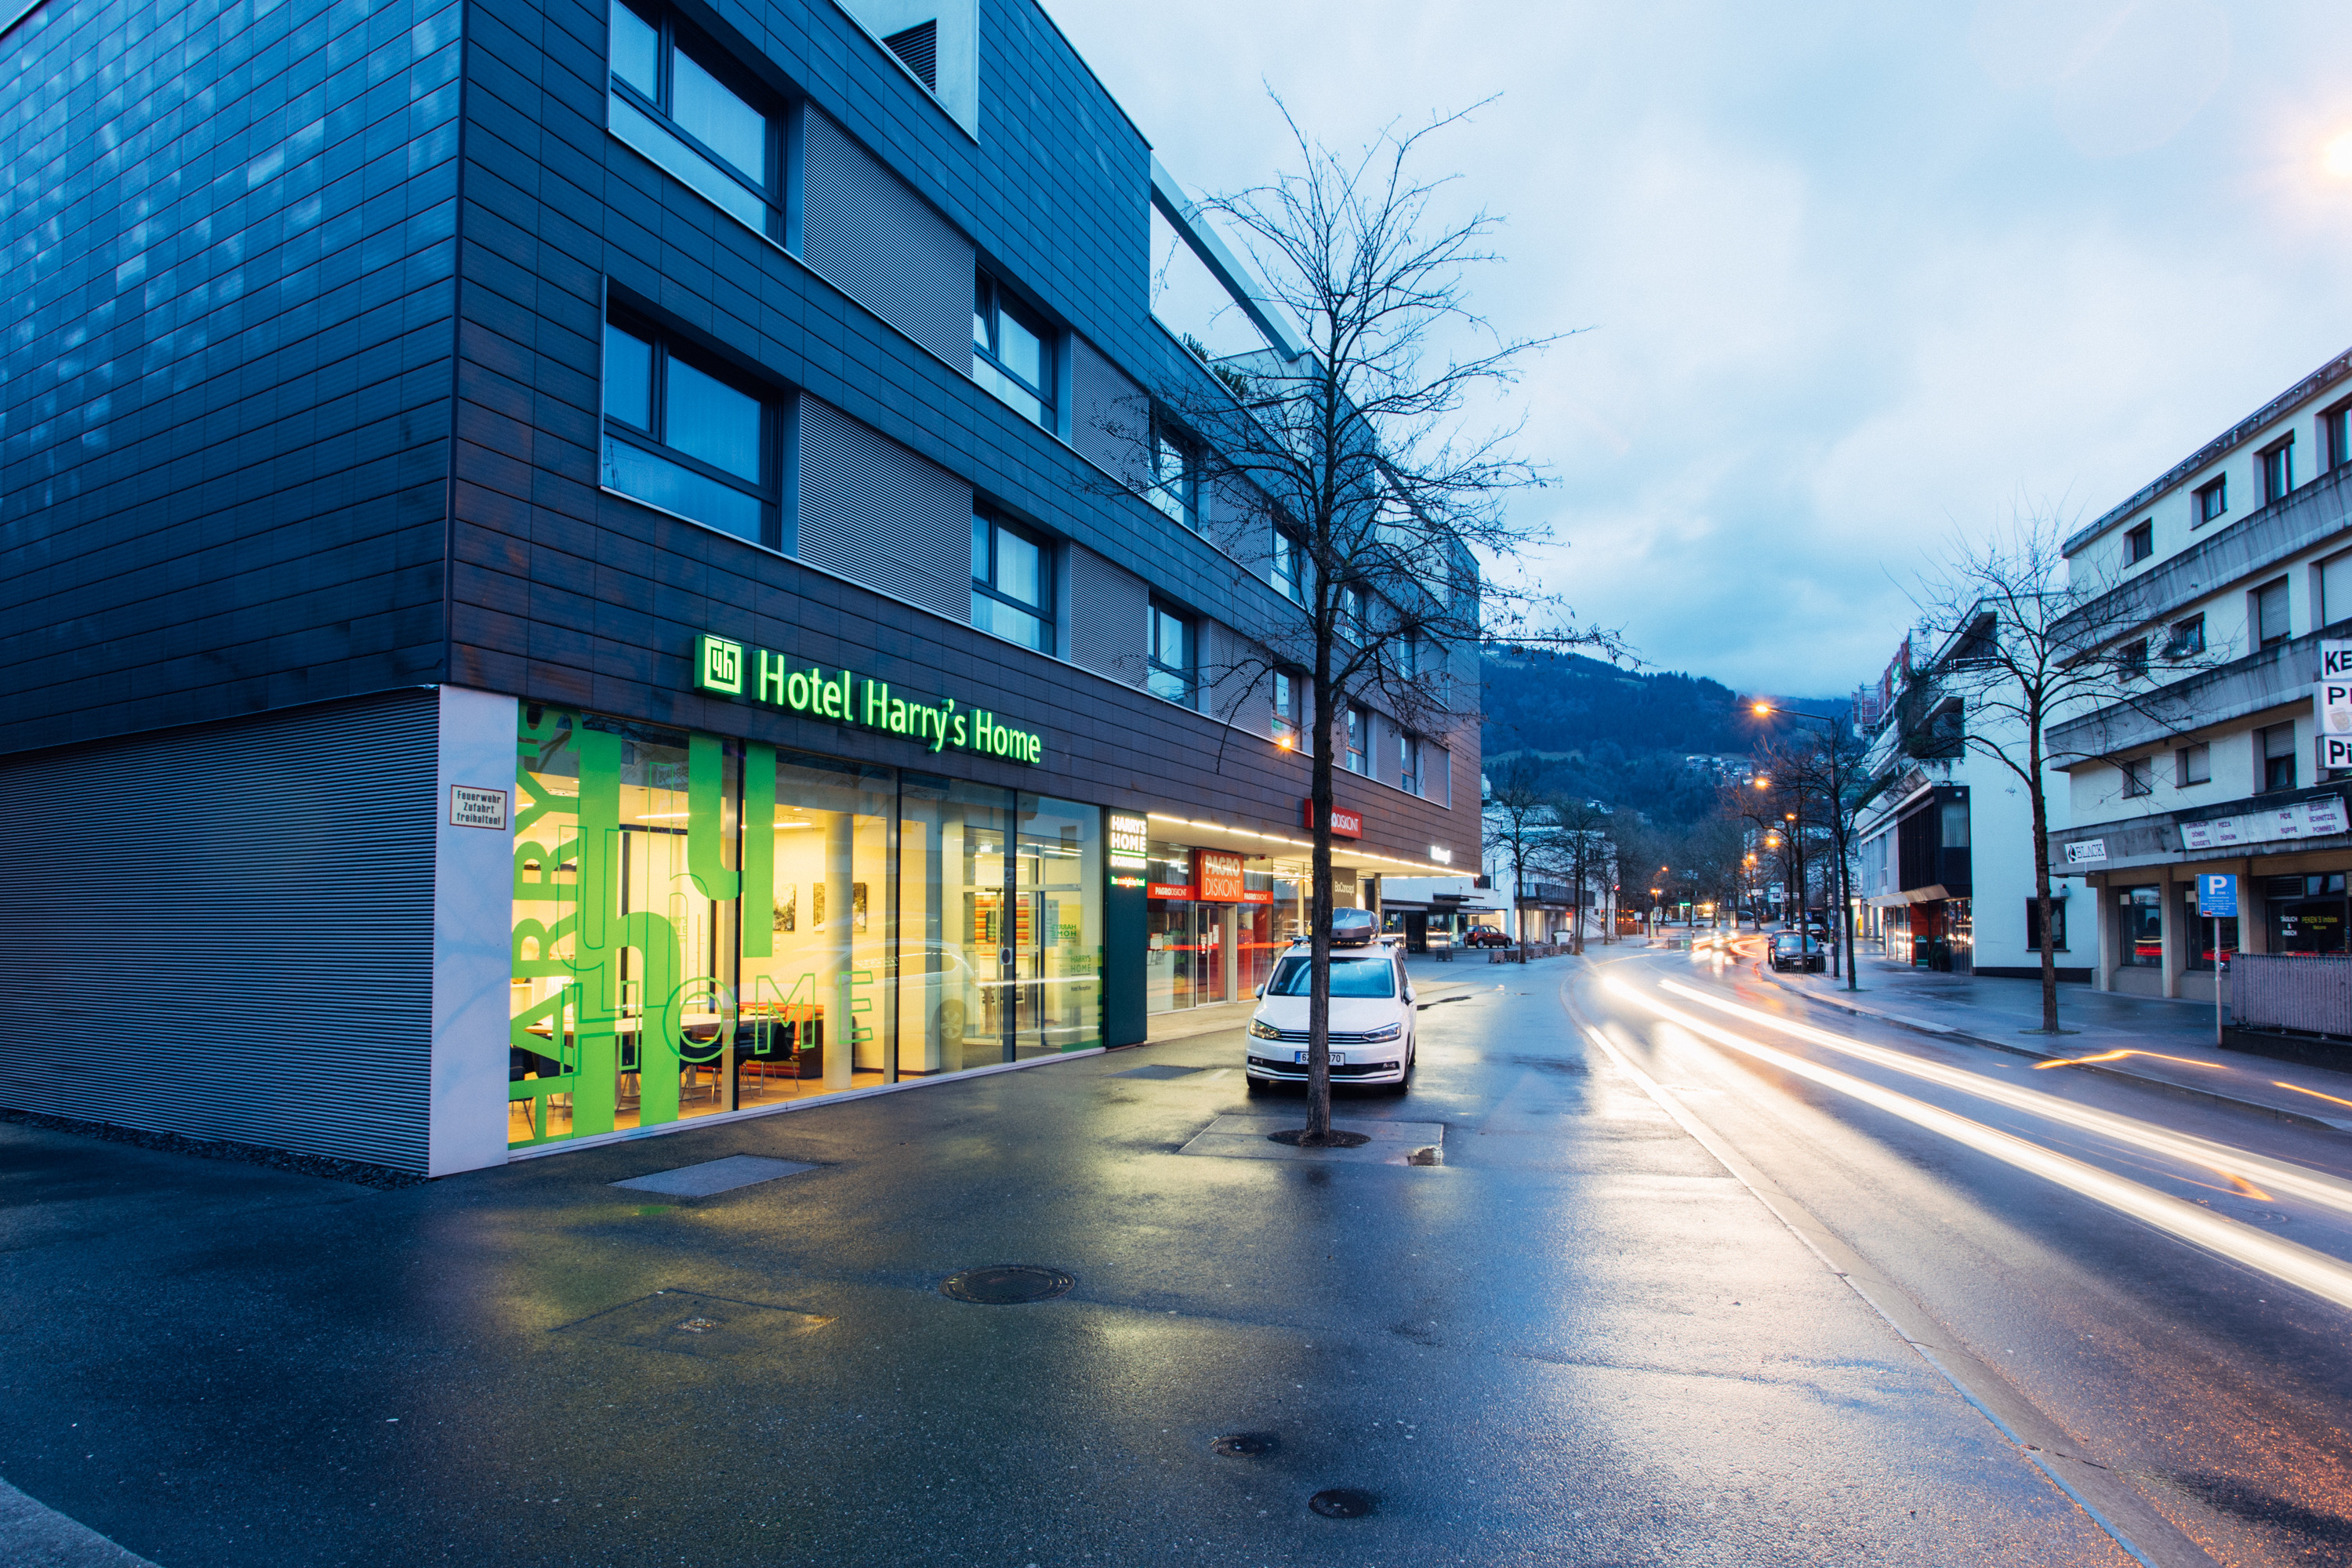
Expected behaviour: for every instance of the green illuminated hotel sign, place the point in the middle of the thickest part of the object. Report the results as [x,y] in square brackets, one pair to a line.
[759,675]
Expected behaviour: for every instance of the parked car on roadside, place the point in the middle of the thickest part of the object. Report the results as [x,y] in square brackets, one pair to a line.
[1795,950]
[1485,936]
[1371,1027]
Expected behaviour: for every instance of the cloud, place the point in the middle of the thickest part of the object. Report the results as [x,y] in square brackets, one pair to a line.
[1856,276]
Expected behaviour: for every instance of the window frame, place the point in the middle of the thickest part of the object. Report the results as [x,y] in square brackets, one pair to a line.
[2131,657]
[992,301]
[2185,638]
[2264,758]
[2211,499]
[722,65]
[2257,600]
[2139,776]
[1357,743]
[2277,470]
[1408,761]
[987,588]
[1160,612]
[1182,503]
[1284,563]
[1284,725]
[2336,437]
[2140,543]
[2193,764]
[767,490]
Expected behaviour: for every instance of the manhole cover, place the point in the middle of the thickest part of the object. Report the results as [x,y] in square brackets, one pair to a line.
[1243,1445]
[1007,1284]
[1341,1502]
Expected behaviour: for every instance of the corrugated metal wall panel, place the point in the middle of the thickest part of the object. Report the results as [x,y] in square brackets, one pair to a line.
[883,246]
[228,932]
[1109,417]
[2274,991]
[878,514]
[1106,618]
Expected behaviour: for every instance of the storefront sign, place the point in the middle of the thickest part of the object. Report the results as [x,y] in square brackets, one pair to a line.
[2333,750]
[2335,660]
[725,668]
[2333,700]
[471,806]
[2077,853]
[1257,895]
[1344,823]
[1169,890]
[1218,875]
[1130,842]
[1127,881]
[2304,819]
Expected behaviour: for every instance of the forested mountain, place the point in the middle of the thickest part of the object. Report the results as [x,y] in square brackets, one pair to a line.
[1618,736]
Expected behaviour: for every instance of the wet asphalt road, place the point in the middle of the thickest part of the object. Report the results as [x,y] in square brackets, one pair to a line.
[1581,1339]
[2216,1397]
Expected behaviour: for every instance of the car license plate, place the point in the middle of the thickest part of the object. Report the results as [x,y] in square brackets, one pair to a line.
[1302,1058]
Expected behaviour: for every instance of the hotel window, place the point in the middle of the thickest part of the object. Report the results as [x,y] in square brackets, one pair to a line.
[2139,544]
[1175,476]
[2139,776]
[1171,656]
[1360,739]
[2213,500]
[679,100]
[683,436]
[1284,569]
[1012,583]
[2277,744]
[2269,618]
[1408,763]
[1011,352]
[1284,725]
[2278,471]
[2187,638]
[2336,435]
[2192,765]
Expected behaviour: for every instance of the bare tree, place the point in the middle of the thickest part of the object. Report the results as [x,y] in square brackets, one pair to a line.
[1519,821]
[1582,842]
[2026,645]
[1346,480]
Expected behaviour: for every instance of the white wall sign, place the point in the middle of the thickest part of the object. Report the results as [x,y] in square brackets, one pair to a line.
[2304,819]
[2333,750]
[2083,849]
[2333,700]
[2336,660]
[472,807]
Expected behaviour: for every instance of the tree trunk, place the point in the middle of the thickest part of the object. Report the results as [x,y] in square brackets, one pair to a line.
[2042,889]
[1319,928]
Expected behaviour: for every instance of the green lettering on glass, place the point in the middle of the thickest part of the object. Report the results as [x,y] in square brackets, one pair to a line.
[758,850]
[706,820]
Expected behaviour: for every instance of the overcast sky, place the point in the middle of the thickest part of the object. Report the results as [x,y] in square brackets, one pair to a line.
[1856,276]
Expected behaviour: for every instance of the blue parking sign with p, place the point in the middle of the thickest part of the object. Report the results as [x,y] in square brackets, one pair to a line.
[2217,895]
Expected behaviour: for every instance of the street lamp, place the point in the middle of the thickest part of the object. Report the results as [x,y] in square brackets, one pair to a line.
[1837,832]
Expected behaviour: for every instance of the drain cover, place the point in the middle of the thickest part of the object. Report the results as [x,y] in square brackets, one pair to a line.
[1007,1284]
[1243,1445]
[1341,1502]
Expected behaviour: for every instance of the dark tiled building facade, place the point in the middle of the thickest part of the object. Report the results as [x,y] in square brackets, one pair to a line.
[409,410]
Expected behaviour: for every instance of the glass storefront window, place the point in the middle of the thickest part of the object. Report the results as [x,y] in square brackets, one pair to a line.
[2200,932]
[895,927]
[2307,914]
[2140,935]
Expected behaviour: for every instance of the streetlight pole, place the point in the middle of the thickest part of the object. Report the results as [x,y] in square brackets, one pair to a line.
[1837,832]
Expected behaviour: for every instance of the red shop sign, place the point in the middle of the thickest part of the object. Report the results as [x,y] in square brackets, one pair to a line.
[1344,823]
[1218,874]
[1257,895]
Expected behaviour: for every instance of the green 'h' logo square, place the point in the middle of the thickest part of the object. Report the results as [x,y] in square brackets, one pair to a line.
[720,667]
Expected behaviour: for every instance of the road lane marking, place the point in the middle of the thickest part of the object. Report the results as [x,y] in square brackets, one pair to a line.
[2277,1176]
[2321,1274]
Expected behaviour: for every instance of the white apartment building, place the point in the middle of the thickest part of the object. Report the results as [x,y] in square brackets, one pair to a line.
[2242,552]
[1944,859]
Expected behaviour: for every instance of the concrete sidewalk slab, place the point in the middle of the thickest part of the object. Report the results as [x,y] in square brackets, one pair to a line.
[1393,1142]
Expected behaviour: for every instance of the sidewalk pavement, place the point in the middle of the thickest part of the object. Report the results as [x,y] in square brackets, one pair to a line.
[2157,1041]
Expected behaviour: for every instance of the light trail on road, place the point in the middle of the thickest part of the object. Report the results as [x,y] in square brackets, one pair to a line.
[2275,1175]
[2322,1276]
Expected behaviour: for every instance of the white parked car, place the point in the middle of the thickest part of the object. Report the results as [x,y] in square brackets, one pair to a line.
[1372,1038]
